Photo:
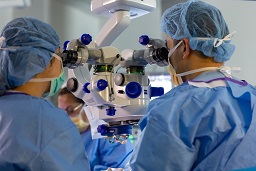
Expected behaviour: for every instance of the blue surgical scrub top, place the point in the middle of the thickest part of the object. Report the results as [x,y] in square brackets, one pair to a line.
[37,136]
[103,155]
[207,124]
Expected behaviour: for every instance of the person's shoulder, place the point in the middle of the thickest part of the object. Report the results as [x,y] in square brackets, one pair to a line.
[50,115]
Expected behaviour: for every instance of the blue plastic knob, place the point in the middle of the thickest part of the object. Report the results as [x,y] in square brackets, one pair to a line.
[102,129]
[111,111]
[102,84]
[85,89]
[133,89]
[86,39]
[144,40]
[65,44]
[156,91]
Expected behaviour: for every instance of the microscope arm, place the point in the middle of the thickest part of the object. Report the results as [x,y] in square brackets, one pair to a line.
[118,22]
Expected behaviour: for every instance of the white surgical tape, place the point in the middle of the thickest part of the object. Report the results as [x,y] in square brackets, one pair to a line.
[227,71]
[217,42]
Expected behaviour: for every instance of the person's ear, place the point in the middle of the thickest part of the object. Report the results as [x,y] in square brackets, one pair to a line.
[187,50]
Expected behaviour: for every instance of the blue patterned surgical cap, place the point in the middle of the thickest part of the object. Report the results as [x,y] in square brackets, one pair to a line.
[203,25]
[26,47]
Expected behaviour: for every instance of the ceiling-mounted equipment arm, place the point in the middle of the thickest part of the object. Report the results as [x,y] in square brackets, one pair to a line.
[120,13]
[118,22]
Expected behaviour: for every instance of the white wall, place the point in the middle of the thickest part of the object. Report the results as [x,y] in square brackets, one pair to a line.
[7,12]
[240,16]
[70,18]
[73,18]
[38,9]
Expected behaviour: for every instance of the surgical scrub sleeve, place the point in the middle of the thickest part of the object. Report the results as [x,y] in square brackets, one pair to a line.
[37,136]
[199,128]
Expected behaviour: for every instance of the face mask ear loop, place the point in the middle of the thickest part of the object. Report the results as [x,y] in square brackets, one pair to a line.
[57,56]
[176,80]
[172,50]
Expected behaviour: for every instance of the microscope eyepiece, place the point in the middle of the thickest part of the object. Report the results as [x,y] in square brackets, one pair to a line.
[69,58]
[157,56]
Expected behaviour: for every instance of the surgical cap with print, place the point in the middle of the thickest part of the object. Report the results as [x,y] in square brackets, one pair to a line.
[203,25]
[26,47]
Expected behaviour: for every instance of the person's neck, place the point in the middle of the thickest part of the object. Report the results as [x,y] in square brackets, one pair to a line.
[194,75]
[33,88]
[198,65]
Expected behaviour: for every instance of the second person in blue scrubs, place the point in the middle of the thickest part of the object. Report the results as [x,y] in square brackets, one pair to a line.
[101,153]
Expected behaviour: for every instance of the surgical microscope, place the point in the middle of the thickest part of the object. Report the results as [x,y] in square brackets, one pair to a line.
[115,101]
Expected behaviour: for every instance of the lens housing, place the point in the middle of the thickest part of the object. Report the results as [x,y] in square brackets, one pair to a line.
[157,56]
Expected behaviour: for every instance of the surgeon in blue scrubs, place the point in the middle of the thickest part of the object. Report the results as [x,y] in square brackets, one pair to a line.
[34,134]
[101,153]
[208,121]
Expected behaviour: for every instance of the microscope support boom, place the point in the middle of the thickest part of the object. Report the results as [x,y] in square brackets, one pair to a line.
[118,22]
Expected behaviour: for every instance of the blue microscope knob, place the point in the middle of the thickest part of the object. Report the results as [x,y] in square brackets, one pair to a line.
[144,40]
[102,129]
[102,84]
[156,91]
[65,44]
[85,89]
[86,39]
[133,89]
[111,111]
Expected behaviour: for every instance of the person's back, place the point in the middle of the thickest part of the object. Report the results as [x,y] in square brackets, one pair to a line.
[201,128]
[33,139]
[34,134]
[207,122]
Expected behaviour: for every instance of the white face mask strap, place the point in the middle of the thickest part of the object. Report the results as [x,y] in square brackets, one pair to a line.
[227,71]
[56,56]
[38,80]
[197,70]
[173,49]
